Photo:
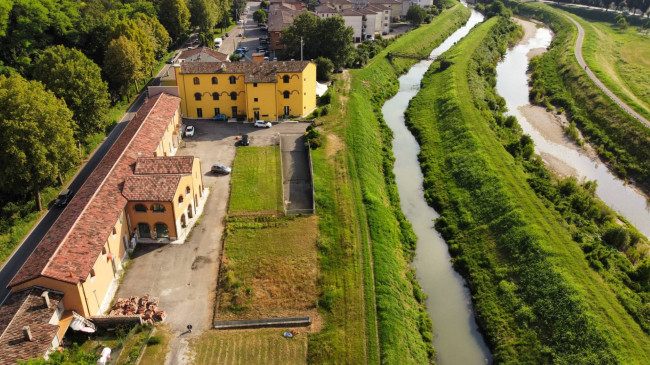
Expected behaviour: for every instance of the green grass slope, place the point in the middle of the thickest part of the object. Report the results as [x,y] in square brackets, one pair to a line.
[536,297]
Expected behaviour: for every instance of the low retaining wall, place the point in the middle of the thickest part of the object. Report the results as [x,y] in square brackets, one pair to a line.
[111,321]
[261,323]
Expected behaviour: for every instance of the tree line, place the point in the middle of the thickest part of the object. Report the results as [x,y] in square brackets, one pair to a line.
[63,63]
[640,7]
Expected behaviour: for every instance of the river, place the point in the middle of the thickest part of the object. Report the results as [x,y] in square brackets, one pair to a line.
[456,336]
[560,154]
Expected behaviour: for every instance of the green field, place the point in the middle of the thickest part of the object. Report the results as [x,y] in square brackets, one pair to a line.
[256,180]
[620,58]
[263,346]
[536,297]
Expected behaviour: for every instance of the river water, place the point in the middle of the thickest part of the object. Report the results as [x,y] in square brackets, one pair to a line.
[456,336]
[560,153]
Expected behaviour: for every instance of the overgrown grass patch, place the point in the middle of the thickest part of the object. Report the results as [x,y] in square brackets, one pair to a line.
[157,345]
[256,180]
[269,268]
[260,346]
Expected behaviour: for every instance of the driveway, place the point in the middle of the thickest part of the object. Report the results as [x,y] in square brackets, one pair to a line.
[183,277]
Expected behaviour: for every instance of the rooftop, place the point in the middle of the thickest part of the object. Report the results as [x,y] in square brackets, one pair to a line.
[155,188]
[253,71]
[280,18]
[164,165]
[70,248]
[202,54]
[27,308]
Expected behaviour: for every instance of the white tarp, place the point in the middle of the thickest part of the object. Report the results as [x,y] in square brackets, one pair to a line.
[321,88]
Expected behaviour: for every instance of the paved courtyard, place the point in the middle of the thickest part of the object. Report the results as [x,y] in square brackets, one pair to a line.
[184,276]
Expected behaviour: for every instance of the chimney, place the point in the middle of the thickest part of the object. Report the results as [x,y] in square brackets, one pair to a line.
[258,57]
[46,298]
[27,334]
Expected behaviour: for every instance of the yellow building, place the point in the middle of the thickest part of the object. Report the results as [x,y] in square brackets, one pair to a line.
[254,90]
[138,187]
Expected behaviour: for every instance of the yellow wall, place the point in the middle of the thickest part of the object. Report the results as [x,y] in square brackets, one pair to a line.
[171,138]
[266,101]
[72,298]
[151,217]
[271,101]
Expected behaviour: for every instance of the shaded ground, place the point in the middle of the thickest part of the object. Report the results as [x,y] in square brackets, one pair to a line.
[296,176]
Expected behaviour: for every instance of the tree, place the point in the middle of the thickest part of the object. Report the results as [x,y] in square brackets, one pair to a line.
[122,65]
[77,80]
[156,32]
[175,17]
[203,14]
[415,15]
[324,68]
[36,142]
[259,16]
[130,29]
[328,38]
[264,4]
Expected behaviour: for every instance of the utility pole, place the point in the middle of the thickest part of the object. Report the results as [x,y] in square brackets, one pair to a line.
[301,48]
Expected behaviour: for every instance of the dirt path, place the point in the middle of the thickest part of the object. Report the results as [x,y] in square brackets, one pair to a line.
[592,76]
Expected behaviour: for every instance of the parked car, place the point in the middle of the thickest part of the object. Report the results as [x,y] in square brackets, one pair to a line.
[245,49]
[189,131]
[220,118]
[240,21]
[264,28]
[240,35]
[244,140]
[220,169]
[261,49]
[240,52]
[262,124]
[64,198]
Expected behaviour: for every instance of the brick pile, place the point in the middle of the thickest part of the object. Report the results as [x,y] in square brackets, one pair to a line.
[146,307]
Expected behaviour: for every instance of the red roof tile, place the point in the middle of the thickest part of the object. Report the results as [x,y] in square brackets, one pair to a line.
[164,165]
[27,308]
[156,188]
[209,55]
[71,246]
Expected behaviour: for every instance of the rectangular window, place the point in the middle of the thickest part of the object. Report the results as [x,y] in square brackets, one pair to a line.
[255,100]
[217,111]
[234,111]
[199,112]
[255,84]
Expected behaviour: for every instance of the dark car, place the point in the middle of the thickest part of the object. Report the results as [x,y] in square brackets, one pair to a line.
[64,198]
[220,169]
[244,140]
[220,118]
[261,49]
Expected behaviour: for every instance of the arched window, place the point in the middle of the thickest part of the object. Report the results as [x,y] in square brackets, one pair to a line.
[180,200]
[161,230]
[197,96]
[285,79]
[158,208]
[140,208]
[187,190]
[196,81]
[214,80]
[233,96]
[215,96]
[286,94]
[232,79]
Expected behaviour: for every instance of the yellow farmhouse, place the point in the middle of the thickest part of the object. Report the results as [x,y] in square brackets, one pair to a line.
[250,90]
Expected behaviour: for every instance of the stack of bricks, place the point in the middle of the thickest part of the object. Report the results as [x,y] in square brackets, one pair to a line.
[145,306]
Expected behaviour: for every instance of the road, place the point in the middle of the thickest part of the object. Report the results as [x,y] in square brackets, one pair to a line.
[20,254]
[592,76]
[250,32]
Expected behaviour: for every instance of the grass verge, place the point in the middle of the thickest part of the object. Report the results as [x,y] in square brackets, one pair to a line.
[157,346]
[537,300]
[256,180]
[261,346]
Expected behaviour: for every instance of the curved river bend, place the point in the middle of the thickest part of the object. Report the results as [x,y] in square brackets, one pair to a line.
[456,336]
[560,153]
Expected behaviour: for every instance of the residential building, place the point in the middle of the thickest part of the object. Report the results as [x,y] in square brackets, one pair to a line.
[79,259]
[255,90]
[281,16]
[202,54]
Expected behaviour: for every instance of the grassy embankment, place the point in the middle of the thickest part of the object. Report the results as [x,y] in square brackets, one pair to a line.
[256,180]
[619,57]
[559,82]
[361,223]
[536,298]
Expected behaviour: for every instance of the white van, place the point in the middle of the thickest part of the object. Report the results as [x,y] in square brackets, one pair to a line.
[217,42]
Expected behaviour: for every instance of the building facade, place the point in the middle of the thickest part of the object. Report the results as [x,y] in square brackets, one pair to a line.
[250,90]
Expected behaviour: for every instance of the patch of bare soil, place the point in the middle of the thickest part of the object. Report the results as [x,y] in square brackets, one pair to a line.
[334,145]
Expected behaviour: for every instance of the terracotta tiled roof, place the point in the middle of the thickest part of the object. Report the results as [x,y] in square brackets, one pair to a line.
[70,248]
[202,54]
[27,308]
[164,165]
[326,9]
[157,188]
[384,2]
[253,71]
[280,18]
[350,12]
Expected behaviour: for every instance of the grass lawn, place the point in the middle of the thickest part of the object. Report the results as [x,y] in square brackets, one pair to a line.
[260,346]
[256,180]
[621,60]
[155,353]
[269,268]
